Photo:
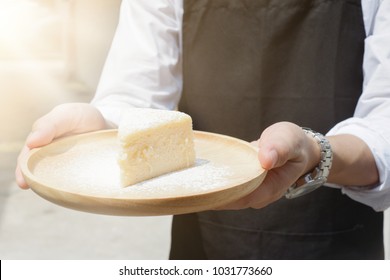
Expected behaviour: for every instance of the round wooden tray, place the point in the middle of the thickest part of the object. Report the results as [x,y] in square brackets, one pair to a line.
[80,172]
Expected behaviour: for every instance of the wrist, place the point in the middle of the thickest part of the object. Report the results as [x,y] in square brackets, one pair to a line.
[313,152]
[319,174]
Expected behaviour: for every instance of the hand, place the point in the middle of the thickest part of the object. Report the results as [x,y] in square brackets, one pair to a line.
[63,120]
[286,152]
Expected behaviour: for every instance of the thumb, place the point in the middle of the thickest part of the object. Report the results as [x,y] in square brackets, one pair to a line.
[64,119]
[280,143]
[47,128]
[41,135]
[268,158]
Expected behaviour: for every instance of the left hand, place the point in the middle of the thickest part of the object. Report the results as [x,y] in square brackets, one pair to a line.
[286,152]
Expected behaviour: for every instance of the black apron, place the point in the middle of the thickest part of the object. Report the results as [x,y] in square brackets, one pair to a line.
[249,64]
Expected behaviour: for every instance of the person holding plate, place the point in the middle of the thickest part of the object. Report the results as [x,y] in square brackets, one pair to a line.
[308,79]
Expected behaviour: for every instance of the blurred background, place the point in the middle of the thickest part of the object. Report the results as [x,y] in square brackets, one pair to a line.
[52,52]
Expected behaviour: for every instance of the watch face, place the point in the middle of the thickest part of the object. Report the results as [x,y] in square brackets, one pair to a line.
[309,187]
[317,177]
[306,188]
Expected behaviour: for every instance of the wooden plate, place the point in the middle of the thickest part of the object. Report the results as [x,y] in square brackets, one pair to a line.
[80,172]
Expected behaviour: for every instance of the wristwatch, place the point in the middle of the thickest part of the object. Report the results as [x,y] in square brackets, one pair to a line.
[319,175]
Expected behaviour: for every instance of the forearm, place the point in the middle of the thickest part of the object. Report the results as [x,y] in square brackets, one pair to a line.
[143,67]
[353,163]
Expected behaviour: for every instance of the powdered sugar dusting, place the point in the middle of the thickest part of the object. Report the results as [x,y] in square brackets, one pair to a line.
[139,119]
[202,177]
[92,170]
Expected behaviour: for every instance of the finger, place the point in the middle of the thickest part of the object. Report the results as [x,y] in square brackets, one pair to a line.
[18,173]
[65,119]
[44,131]
[52,125]
[278,144]
[259,198]
[41,135]
[268,158]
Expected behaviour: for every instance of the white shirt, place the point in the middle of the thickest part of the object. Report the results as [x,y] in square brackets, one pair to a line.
[143,69]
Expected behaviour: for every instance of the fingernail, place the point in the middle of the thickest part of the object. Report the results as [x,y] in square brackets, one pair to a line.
[31,138]
[273,155]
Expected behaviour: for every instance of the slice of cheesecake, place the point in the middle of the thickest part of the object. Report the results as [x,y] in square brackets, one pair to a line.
[154,142]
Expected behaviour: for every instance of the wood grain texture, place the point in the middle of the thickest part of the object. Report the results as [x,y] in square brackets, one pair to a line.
[80,172]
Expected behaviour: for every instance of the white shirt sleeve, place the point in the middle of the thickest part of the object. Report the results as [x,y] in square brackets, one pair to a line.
[371,121]
[143,67]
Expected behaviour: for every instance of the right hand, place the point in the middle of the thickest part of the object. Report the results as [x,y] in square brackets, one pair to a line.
[63,120]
